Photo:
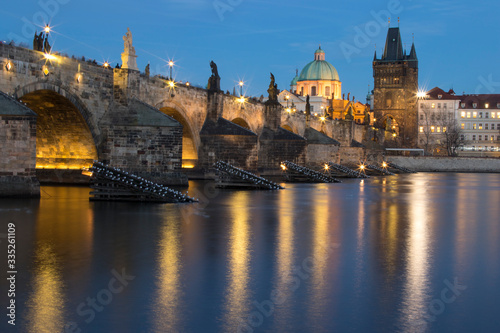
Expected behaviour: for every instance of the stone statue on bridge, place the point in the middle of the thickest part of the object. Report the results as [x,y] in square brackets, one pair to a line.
[214,79]
[128,56]
[41,43]
[273,90]
[367,119]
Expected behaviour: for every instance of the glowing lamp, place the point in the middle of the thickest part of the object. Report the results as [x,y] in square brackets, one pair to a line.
[49,56]
[79,78]
[384,165]
[241,83]
[171,63]
[421,94]
[187,84]
[171,84]
[106,64]
[327,167]
[394,134]
[288,110]
[8,66]
[46,29]
[283,167]
[362,167]
[322,118]
[45,70]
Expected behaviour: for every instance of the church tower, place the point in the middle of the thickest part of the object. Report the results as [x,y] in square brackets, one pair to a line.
[395,77]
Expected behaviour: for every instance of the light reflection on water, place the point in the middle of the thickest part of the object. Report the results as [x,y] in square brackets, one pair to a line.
[372,254]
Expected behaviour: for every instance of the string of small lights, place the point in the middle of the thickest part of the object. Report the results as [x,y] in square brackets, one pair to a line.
[312,175]
[116,184]
[347,172]
[400,168]
[245,176]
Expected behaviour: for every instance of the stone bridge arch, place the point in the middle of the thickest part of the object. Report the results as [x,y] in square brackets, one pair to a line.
[67,136]
[241,122]
[190,131]
[290,127]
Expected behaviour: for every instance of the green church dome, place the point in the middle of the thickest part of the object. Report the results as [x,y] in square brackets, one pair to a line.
[294,81]
[319,70]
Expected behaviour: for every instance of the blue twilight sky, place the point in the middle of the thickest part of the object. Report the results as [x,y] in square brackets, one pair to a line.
[457,42]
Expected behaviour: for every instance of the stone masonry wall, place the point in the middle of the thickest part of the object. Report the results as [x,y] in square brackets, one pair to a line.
[17,156]
[154,151]
[238,150]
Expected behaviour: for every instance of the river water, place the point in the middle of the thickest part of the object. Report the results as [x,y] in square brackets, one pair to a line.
[404,253]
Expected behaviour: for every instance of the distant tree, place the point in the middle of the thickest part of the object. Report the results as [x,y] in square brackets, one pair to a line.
[452,133]
[425,123]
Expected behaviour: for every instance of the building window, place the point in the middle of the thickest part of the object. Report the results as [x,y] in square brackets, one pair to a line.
[485,126]
[396,80]
[327,91]
[480,126]
[433,105]
[302,91]
[498,114]
[485,138]
[498,138]
[421,129]
[462,114]
[474,137]
[312,108]
[421,117]
[421,105]
[444,105]
[462,105]
[474,114]
[433,117]
[444,129]
[462,137]
[438,129]
[493,115]
[480,115]
[486,115]
[468,114]
[439,105]
[474,105]
[313,91]
[474,126]
[462,126]
[432,129]
[498,126]
[480,137]
[486,105]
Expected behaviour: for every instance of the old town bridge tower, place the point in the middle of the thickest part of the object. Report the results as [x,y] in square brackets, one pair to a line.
[395,77]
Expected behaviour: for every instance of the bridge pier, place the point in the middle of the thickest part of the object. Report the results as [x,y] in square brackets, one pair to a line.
[17,149]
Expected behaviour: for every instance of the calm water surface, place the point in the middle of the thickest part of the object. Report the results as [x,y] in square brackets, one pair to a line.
[407,253]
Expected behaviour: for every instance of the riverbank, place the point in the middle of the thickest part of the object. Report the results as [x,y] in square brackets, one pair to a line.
[447,164]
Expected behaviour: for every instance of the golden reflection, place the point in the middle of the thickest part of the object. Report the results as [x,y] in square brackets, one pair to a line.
[417,258]
[389,229]
[60,219]
[167,317]
[46,305]
[322,250]
[284,257]
[237,300]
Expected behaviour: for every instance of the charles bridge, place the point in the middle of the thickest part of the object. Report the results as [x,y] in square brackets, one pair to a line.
[73,112]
